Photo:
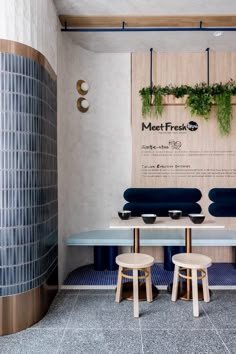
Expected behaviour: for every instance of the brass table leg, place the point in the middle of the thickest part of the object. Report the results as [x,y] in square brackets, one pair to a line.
[136,240]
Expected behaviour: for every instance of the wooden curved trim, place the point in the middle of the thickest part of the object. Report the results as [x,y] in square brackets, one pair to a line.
[24,50]
[18,312]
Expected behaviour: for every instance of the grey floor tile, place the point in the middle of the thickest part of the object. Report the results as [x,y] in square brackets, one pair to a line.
[94,323]
[229,338]
[55,318]
[182,342]
[59,313]
[162,313]
[10,343]
[101,342]
[63,300]
[222,310]
[102,312]
[40,341]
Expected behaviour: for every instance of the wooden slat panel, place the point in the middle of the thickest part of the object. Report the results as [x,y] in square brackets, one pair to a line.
[149,21]
[217,254]
[222,66]
[177,69]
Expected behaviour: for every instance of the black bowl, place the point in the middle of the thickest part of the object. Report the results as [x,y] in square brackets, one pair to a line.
[149,218]
[175,214]
[124,214]
[197,218]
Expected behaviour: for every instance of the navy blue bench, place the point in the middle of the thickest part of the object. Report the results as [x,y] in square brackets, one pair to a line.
[159,201]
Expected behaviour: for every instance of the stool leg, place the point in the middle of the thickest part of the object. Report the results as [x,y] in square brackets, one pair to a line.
[195,293]
[119,285]
[175,284]
[149,285]
[135,293]
[206,295]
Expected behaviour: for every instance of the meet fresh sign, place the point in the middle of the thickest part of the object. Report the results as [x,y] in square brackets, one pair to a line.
[168,127]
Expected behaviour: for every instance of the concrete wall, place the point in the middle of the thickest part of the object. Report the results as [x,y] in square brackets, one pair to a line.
[94,148]
[33,23]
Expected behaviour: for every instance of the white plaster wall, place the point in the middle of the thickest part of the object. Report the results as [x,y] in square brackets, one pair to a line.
[32,22]
[94,148]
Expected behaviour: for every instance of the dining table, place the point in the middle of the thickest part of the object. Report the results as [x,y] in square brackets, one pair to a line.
[164,223]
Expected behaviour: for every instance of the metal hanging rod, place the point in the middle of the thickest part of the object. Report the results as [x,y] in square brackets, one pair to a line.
[151,83]
[152,29]
[148,29]
[208,66]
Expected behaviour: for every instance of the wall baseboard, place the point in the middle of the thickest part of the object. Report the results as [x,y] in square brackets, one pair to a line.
[113,287]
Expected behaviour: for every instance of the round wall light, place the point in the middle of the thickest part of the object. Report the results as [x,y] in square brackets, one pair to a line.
[82,104]
[82,87]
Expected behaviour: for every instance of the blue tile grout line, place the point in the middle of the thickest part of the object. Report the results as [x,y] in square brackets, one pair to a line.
[218,274]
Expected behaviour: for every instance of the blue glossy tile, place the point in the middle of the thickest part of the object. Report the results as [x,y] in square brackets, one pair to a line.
[26,210]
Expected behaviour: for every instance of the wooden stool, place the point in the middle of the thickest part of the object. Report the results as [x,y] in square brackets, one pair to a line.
[194,262]
[136,262]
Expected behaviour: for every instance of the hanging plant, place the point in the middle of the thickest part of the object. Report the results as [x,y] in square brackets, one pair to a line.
[222,95]
[200,99]
[179,91]
[157,101]
[224,112]
[146,94]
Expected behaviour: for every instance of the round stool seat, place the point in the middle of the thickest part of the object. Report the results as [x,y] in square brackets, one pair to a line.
[134,260]
[192,260]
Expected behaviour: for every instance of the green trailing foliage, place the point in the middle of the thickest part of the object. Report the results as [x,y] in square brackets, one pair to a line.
[224,112]
[200,99]
[146,104]
[158,103]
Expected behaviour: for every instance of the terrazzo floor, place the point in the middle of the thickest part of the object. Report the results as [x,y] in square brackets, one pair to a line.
[89,321]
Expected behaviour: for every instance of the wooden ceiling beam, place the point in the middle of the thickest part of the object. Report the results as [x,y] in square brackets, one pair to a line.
[148,21]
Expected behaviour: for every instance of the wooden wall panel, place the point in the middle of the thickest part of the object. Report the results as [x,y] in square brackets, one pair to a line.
[205,159]
[179,68]
[222,66]
[156,252]
[217,254]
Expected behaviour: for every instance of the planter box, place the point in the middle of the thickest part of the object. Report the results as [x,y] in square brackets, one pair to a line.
[171,100]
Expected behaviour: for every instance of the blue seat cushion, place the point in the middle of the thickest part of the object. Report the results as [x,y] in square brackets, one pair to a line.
[223,209]
[223,195]
[159,195]
[161,209]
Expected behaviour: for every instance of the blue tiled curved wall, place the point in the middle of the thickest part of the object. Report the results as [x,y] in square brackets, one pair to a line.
[28,174]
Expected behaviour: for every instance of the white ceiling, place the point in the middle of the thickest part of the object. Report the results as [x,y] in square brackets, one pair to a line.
[143,41]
